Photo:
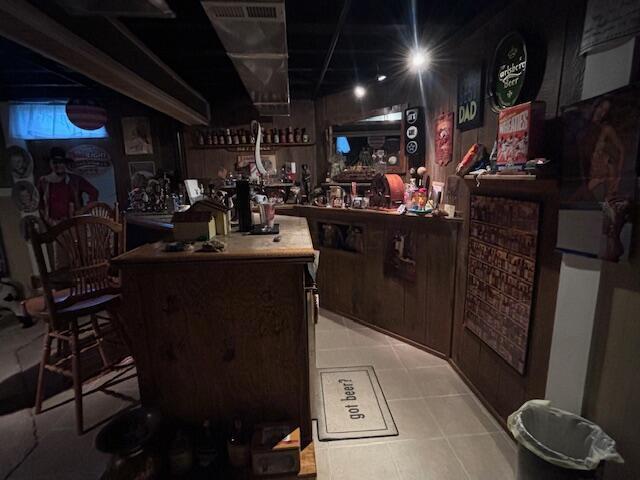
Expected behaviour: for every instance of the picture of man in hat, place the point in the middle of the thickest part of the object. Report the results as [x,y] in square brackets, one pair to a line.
[61,192]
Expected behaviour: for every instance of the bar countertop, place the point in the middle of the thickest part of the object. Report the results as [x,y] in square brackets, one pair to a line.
[294,246]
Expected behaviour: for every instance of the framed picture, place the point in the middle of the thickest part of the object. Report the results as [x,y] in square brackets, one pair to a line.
[599,154]
[146,167]
[21,163]
[136,134]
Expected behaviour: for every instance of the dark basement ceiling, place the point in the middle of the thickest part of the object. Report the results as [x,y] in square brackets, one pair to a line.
[374,39]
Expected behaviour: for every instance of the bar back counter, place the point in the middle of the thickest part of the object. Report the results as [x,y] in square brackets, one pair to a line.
[223,335]
[394,273]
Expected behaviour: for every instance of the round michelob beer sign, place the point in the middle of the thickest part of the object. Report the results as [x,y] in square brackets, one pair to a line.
[508,71]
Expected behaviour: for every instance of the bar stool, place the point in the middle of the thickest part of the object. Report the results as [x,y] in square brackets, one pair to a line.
[76,283]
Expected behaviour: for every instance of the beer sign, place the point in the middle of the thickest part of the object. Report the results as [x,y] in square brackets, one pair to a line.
[470,99]
[508,72]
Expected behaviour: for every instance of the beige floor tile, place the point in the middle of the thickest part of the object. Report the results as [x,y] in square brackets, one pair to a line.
[328,321]
[322,463]
[397,384]
[436,381]
[381,357]
[331,339]
[413,419]
[426,460]
[335,358]
[412,357]
[367,337]
[486,457]
[367,462]
[460,415]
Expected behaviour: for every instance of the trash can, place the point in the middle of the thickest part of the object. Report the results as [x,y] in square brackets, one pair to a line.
[557,445]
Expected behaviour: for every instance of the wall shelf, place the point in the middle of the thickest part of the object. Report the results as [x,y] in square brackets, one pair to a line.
[248,147]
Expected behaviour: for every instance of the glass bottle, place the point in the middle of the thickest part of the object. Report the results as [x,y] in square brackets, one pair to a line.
[209,139]
[276,136]
[283,136]
[228,138]
[243,136]
[305,136]
[297,137]
[290,137]
[221,139]
[236,138]
[200,138]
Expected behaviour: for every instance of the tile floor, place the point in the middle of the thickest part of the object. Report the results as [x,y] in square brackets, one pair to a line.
[445,434]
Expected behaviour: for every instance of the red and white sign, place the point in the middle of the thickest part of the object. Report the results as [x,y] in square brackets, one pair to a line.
[520,133]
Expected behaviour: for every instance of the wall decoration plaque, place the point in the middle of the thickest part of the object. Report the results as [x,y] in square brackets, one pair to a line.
[501,272]
[508,71]
[444,139]
[470,98]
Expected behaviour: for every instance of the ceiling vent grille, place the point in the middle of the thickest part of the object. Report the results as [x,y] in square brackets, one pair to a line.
[227,11]
[262,12]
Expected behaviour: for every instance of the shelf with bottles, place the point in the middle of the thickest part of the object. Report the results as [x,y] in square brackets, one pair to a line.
[242,139]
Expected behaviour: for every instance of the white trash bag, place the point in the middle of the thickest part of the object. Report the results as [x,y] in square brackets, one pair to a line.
[561,438]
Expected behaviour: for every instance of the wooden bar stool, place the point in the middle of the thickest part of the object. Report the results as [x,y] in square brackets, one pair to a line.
[76,283]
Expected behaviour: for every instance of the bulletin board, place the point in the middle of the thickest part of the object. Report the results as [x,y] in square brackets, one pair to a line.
[501,274]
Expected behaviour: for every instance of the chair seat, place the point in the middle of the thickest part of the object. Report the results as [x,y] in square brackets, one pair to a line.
[37,307]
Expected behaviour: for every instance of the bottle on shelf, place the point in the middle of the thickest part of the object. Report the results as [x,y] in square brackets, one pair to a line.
[243,136]
[290,136]
[200,138]
[269,136]
[237,447]
[209,138]
[276,136]
[297,136]
[236,138]
[305,136]
[215,138]
[221,139]
[283,136]
[206,452]
[228,139]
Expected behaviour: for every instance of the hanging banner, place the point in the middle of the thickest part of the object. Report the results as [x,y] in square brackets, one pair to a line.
[444,139]
[470,99]
[608,22]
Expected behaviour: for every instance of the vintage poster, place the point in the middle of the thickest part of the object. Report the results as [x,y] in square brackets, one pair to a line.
[600,150]
[444,139]
[136,134]
[470,98]
[608,22]
[501,274]
[400,255]
[93,163]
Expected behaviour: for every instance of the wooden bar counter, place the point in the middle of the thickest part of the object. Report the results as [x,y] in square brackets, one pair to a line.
[358,284]
[223,335]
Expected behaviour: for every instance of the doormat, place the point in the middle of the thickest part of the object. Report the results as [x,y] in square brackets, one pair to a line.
[352,405]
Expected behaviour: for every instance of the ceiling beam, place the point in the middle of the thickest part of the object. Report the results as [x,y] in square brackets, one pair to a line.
[25,24]
[332,46]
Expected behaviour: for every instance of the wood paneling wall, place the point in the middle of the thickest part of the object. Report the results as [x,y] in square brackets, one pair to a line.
[558,25]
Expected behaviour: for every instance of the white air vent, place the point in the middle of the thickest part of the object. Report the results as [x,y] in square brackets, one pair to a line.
[244,10]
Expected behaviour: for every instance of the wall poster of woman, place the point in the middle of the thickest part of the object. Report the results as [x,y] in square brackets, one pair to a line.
[600,152]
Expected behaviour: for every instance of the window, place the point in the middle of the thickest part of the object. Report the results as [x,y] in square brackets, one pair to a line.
[44,121]
[342,145]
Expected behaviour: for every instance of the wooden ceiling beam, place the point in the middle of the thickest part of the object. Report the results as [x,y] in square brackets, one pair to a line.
[26,25]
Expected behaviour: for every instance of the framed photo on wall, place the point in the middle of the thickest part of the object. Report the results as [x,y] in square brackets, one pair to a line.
[136,134]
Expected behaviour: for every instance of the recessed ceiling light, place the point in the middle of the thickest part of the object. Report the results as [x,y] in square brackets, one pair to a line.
[382,78]
[359,91]
[419,60]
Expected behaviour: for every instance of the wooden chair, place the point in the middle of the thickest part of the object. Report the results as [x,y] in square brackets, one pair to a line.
[76,283]
[100,209]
